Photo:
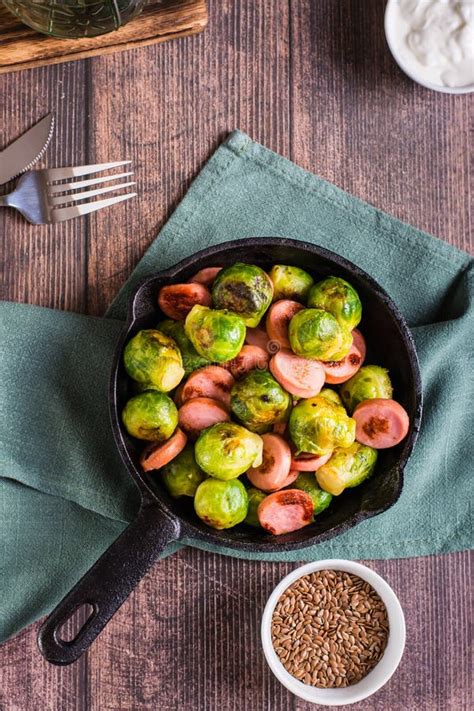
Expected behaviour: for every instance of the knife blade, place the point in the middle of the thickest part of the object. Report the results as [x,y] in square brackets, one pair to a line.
[26,150]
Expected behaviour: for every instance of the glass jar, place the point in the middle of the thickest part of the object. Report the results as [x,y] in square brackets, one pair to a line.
[75,18]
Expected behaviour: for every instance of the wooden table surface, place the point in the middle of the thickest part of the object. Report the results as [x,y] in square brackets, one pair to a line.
[314,81]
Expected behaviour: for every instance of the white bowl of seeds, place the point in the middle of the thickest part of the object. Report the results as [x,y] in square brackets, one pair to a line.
[333,632]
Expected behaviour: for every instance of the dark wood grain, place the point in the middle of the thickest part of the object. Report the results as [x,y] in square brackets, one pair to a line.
[313,81]
[161,20]
[183,102]
[358,121]
[44,265]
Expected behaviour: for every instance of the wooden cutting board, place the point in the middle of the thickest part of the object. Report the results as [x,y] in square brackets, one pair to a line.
[23,48]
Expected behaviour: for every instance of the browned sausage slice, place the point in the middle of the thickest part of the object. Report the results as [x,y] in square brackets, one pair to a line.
[211,381]
[275,467]
[178,395]
[299,376]
[285,511]
[177,300]
[278,318]
[380,423]
[249,358]
[292,476]
[206,276]
[199,413]
[157,456]
[338,371]
[309,462]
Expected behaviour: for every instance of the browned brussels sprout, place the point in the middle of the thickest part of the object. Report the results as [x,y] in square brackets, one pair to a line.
[216,335]
[152,415]
[151,357]
[339,298]
[259,401]
[221,504]
[244,289]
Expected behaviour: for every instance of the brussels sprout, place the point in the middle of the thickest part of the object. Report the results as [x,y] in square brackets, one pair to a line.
[315,333]
[371,381]
[182,475]
[226,450]
[339,298]
[259,401]
[221,504]
[152,415]
[191,358]
[244,289]
[347,468]
[290,282]
[255,497]
[331,395]
[216,335]
[153,358]
[318,425]
[306,481]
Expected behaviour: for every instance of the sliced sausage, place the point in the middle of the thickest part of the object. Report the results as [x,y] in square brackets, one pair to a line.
[292,476]
[249,358]
[275,467]
[177,300]
[205,276]
[199,413]
[309,462]
[211,381]
[338,371]
[299,376]
[157,456]
[285,511]
[380,423]
[257,337]
[278,318]
[359,341]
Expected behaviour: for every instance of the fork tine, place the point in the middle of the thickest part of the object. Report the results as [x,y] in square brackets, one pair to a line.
[63,173]
[63,187]
[74,197]
[66,213]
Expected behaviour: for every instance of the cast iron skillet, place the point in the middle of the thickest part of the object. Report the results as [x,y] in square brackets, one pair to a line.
[161,519]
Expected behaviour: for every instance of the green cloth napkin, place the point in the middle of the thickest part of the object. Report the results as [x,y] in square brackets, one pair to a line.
[65,493]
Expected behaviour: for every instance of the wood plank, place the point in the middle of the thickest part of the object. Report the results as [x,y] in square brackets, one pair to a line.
[359,122]
[45,264]
[29,683]
[161,20]
[188,639]
[183,99]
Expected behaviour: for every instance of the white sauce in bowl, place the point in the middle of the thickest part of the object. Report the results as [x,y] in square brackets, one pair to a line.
[434,39]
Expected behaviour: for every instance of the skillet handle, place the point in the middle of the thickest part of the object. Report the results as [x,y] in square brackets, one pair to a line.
[108,583]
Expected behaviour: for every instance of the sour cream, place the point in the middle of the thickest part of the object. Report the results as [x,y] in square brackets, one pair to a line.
[433,40]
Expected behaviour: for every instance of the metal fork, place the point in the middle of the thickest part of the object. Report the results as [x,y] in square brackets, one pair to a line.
[42,198]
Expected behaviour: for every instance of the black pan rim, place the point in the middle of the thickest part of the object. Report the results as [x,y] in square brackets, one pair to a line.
[268,544]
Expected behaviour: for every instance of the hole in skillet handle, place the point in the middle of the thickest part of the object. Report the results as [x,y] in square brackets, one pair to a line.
[63,637]
[107,584]
[76,624]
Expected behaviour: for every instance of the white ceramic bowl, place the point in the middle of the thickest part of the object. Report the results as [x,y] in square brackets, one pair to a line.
[390,20]
[379,675]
